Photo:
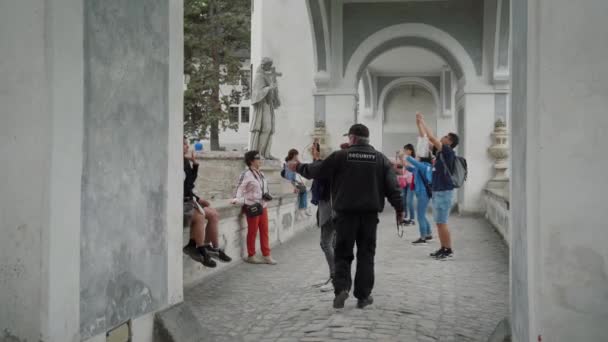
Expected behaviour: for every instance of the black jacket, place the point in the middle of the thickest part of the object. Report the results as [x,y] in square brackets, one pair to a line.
[191,172]
[360,177]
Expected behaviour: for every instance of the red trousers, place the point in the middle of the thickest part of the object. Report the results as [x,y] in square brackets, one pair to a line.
[253,224]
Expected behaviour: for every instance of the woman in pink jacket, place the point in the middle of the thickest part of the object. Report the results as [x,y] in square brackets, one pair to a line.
[252,194]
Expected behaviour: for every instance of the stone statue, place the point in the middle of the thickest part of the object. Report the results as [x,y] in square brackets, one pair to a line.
[265,99]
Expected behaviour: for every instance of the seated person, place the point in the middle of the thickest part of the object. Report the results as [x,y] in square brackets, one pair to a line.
[203,244]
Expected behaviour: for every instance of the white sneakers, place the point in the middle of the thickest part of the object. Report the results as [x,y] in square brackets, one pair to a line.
[269,260]
[253,260]
[265,260]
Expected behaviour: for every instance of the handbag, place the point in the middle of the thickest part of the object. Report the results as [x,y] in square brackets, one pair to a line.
[253,210]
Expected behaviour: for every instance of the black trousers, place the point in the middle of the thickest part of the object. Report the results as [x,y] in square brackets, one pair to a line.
[359,229]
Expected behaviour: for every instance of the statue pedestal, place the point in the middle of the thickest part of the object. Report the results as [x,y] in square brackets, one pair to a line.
[277,185]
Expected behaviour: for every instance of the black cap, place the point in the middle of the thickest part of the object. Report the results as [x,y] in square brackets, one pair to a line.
[359,130]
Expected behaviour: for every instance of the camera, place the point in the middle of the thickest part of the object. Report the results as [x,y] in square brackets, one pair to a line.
[267,197]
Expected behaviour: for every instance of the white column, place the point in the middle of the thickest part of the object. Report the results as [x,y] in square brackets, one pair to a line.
[339,116]
[447,92]
[559,257]
[475,138]
[175,286]
[41,91]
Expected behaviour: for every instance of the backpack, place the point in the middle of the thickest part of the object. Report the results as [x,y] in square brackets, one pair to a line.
[458,172]
[426,183]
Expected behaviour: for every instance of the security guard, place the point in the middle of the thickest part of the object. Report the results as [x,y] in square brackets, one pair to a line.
[360,178]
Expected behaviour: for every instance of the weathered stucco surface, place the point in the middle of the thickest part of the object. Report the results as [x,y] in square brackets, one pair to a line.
[123,245]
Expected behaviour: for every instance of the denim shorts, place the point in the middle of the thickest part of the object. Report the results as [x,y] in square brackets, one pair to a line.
[442,204]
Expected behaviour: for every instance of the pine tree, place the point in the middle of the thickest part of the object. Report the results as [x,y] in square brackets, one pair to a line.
[215,31]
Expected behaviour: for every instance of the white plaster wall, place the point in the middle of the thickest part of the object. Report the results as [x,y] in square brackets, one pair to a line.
[340,115]
[400,110]
[370,119]
[174,214]
[25,184]
[40,146]
[559,116]
[479,124]
[281,30]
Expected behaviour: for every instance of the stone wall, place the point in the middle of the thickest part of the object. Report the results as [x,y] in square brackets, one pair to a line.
[283,225]
[128,174]
[496,207]
[219,172]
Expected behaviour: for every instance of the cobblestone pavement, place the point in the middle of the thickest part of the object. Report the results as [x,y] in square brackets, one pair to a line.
[416,298]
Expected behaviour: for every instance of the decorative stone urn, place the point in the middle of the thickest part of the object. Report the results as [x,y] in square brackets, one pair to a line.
[500,152]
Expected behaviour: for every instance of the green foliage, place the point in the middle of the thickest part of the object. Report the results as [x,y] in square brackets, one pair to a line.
[216,32]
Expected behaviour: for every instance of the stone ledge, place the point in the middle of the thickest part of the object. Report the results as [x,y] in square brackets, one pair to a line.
[497,211]
[233,231]
[225,209]
[224,155]
[178,324]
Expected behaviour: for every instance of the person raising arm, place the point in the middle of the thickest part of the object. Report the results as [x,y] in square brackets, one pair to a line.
[442,186]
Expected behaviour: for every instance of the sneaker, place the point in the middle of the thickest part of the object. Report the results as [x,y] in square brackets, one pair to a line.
[412,223]
[205,258]
[437,252]
[419,242]
[269,260]
[445,254]
[223,256]
[213,252]
[428,238]
[327,287]
[190,250]
[340,299]
[361,303]
[218,253]
[253,260]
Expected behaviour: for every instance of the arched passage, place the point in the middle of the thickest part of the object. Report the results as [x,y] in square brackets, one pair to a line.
[402,82]
[411,34]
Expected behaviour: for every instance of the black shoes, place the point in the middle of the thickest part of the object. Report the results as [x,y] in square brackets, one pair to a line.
[419,242]
[198,254]
[361,303]
[190,250]
[217,253]
[340,299]
[443,253]
[205,258]
[428,238]
[437,252]
[447,253]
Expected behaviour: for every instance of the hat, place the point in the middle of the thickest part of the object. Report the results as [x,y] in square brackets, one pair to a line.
[358,130]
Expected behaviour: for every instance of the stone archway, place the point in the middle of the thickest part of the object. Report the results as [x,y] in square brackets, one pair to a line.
[411,34]
[406,81]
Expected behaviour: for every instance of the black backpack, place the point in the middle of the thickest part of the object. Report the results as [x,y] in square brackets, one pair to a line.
[458,171]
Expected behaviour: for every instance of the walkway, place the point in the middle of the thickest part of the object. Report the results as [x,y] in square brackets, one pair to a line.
[416,298]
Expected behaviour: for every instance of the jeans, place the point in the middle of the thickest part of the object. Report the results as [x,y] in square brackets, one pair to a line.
[410,203]
[303,200]
[442,204]
[328,244]
[360,229]
[423,223]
